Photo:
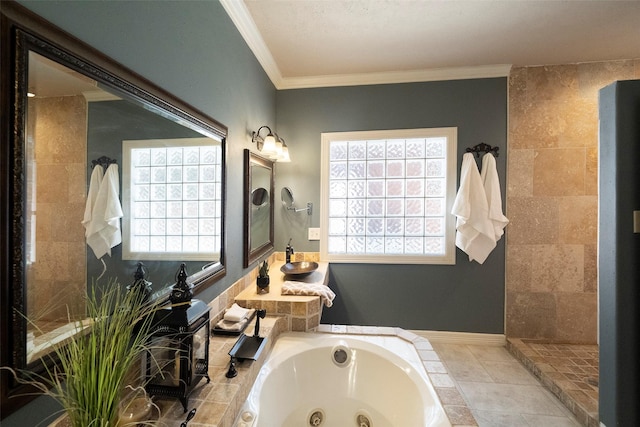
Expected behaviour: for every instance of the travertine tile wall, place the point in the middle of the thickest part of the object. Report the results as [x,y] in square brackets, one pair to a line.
[57,143]
[552,198]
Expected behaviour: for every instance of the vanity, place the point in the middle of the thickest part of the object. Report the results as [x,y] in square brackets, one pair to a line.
[301,312]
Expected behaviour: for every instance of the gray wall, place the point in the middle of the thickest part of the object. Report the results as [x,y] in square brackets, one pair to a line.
[619,254]
[464,297]
[192,50]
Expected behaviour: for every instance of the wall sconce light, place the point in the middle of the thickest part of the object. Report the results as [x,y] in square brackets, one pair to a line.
[271,146]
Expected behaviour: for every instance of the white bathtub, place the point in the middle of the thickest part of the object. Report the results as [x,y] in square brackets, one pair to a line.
[334,380]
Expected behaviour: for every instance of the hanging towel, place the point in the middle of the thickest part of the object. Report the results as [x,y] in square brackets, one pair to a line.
[92,195]
[103,232]
[475,233]
[290,287]
[491,184]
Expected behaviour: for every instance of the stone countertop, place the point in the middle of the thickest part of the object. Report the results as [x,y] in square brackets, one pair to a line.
[320,276]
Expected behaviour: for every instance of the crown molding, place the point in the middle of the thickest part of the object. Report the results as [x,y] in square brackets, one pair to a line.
[243,21]
[239,14]
[436,74]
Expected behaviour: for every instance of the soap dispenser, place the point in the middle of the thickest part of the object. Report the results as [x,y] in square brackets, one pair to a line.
[289,251]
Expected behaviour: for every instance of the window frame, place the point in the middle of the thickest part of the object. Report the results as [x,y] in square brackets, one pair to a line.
[451,177]
[127,252]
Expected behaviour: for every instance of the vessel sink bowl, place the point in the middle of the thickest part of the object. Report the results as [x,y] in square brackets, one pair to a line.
[299,268]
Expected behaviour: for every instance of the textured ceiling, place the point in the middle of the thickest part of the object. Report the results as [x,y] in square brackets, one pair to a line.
[320,40]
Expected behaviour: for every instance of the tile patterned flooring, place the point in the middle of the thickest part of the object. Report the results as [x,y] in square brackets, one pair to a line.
[499,390]
[570,371]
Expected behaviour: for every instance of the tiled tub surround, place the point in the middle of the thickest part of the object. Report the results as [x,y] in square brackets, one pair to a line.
[569,371]
[302,313]
[381,377]
[218,402]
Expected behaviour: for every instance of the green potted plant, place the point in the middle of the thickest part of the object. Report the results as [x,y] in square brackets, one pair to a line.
[263,280]
[94,368]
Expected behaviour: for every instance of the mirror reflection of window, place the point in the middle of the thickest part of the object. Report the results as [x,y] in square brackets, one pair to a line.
[173,198]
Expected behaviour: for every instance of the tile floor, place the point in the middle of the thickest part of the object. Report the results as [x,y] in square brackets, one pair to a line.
[499,390]
[570,371]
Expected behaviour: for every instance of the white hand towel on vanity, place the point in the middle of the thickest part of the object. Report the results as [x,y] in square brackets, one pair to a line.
[475,232]
[235,313]
[491,184]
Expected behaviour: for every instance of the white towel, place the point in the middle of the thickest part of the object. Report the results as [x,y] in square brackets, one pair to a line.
[236,313]
[300,288]
[491,184]
[475,234]
[228,326]
[92,195]
[237,326]
[103,230]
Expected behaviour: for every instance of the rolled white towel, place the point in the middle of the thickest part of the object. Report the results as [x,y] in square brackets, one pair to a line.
[236,313]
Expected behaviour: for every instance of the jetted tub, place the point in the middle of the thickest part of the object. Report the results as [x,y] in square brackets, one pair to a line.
[334,380]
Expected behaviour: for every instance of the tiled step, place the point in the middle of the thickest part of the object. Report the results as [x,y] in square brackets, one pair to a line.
[569,371]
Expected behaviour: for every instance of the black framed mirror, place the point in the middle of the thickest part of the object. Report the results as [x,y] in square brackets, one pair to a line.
[86,110]
[258,207]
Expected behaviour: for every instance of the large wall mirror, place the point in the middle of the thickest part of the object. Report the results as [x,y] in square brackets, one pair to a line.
[77,129]
[258,207]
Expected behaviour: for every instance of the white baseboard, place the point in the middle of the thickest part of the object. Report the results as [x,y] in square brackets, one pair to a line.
[469,338]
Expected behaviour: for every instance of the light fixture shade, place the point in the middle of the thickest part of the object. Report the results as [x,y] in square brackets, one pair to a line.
[269,145]
[284,157]
[278,151]
[272,146]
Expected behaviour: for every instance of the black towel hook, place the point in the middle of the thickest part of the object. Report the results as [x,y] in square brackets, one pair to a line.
[483,148]
[103,161]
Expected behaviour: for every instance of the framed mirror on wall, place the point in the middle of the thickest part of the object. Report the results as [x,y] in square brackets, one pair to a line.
[258,207]
[71,114]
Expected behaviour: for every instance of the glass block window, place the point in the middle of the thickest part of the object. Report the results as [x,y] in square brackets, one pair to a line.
[172,199]
[386,196]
